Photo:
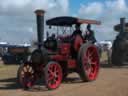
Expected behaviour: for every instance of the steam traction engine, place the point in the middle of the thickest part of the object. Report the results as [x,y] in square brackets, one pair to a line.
[120,44]
[54,58]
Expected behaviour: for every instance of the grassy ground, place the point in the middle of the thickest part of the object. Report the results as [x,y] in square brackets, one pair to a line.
[112,81]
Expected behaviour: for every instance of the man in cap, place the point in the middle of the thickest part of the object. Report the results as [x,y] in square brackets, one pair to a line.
[90,36]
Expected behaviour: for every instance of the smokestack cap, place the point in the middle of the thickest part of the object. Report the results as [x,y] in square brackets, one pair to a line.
[40,12]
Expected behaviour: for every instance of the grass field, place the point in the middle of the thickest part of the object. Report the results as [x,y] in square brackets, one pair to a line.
[112,81]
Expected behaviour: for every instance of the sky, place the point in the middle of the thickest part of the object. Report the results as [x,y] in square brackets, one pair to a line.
[18,21]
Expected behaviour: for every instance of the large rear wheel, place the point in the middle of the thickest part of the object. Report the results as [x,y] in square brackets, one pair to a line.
[88,62]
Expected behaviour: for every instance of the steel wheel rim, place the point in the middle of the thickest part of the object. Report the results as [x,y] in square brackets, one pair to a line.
[90,62]
[54,76]
[27,77]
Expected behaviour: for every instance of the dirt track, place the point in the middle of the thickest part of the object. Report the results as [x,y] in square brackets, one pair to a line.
[111,82]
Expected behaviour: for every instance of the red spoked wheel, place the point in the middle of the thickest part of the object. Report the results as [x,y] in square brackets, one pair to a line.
[53,75]
[88,62]
[26,76]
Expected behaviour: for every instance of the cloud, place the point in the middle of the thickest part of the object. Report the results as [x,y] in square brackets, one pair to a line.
[108,12]
[17,18]
[91,9]
[18,22]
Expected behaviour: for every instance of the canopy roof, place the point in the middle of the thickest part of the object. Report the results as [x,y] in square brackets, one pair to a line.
[69,21]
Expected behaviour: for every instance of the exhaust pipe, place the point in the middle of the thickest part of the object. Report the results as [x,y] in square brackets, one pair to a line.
[122,25]
[40,26]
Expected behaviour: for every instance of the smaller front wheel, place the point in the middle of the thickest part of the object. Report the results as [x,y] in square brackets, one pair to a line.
[53,75]
[26,76]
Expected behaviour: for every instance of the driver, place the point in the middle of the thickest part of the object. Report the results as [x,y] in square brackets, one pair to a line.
[77,40]
[90,34]
[77,30]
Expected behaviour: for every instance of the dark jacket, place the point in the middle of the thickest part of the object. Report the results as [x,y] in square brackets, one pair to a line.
[90,36]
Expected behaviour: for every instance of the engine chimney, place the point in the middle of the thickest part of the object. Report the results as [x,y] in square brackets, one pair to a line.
[40,26]
[122,23]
